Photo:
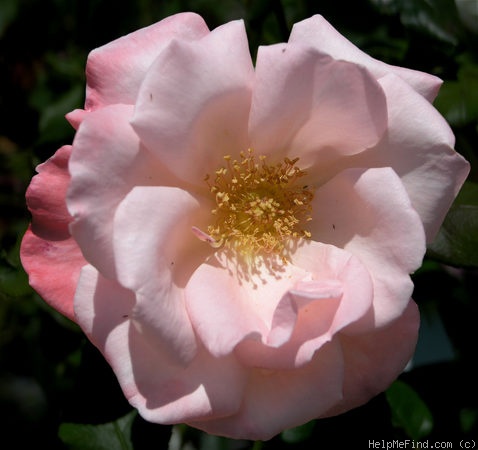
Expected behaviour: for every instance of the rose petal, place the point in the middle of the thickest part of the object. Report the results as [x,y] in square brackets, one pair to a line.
[107,161]
[327,262]
[276,400]
[309,105]
[421,153]
[335,295]
[155,253]
[317,32]
[48,253]
[116,70]
[227,306]
[75,117]
[369,214]
[162,391]
[374,360]
[194,102]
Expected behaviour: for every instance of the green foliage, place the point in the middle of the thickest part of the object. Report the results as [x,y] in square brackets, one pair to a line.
[458,100]
[409,412]
[298,434]
[457,240]
[109,436]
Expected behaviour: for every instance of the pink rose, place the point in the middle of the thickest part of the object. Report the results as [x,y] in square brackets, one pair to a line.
[277,290]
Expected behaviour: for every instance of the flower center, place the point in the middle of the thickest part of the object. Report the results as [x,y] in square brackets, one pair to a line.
[259,207]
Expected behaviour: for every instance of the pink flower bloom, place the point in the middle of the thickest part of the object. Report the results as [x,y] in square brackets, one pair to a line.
[277,290]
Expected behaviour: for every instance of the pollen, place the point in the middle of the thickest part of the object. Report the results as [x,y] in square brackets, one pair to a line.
[259,207]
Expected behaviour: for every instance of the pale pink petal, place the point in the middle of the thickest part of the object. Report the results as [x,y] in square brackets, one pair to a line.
[309,105]
[276,400]
[107,161]
[419,147]
[116,70]
[332,263]
[318,33]
[162,390]
[303,298]
[75,117]
[194,103]
[374,360]
[50,256]
[279,318]
[335,295]
[227,306]
[155,253]
[369,214]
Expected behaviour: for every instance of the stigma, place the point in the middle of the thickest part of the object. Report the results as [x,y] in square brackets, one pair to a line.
[259,207]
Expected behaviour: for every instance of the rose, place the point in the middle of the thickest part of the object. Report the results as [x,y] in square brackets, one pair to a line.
[277,290]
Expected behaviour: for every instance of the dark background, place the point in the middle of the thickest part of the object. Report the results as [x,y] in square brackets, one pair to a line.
[51,375]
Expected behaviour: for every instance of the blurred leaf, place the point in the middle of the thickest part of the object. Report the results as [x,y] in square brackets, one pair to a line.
[437,18]
[109,436]
[468,419]
[8,13]
[53,126]
[457,241]
[211,442]
[298,434]
[409,412]
[13,282]
[458,100]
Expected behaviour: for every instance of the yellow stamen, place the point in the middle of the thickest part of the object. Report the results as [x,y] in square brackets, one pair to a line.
[259,207]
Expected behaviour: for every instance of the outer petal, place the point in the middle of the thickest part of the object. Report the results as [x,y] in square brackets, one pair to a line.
[107,161]
[418,147]
[155,252]
[275,400]
[75,117]
[317,32]
[194,102]
[307,104]
[49,254]
[116,70]
[162,391]
[374,360]
[369,214]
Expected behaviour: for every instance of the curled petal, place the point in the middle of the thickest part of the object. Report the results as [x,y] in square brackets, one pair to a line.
[225,306]
[48,252]
[335,296]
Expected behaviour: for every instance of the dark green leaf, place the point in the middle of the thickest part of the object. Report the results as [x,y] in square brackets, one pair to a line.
[13,281]
[437,18]
[8,13]
[109,436]
[298,434]
[458,100]
[468,419]
[457,241]
[409,412]
[52,124]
